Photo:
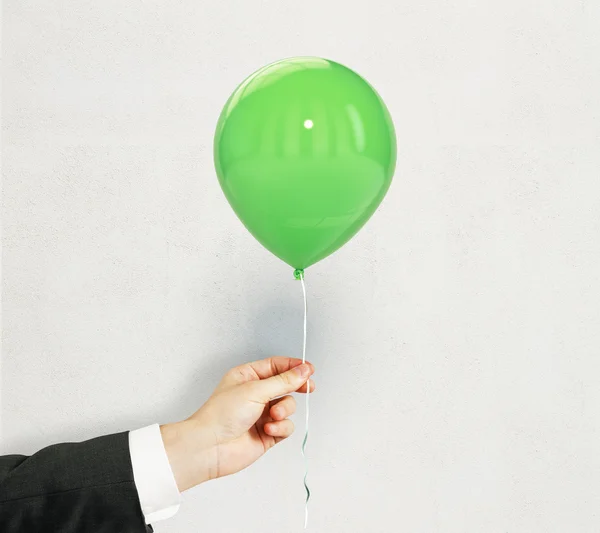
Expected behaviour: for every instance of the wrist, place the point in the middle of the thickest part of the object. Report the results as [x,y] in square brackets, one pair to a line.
[192,453]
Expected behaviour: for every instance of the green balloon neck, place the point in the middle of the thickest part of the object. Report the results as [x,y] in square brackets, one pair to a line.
[299,273]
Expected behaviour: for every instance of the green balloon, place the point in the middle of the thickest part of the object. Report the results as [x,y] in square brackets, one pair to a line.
[305,151]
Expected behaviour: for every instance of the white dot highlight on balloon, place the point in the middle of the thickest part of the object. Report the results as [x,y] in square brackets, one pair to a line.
[308,124]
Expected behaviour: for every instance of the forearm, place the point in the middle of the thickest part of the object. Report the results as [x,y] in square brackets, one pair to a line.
[71,487]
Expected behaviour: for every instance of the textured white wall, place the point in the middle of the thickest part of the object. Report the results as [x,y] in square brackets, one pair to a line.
[457,338]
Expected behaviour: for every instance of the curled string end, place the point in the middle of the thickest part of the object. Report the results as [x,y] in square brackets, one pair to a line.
[299,273]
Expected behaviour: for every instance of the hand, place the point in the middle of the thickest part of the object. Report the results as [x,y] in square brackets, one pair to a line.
[246,415]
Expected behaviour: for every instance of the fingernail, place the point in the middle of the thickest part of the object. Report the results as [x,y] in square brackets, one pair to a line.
[302,370]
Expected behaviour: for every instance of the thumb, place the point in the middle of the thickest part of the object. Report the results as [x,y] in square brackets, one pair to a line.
[284,383]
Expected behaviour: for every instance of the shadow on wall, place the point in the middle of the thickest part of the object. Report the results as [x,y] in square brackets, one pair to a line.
[275,330]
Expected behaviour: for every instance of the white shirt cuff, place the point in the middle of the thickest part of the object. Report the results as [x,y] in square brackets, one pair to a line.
[154,480]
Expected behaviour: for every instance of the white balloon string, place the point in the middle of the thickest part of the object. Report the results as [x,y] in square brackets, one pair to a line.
[307,406]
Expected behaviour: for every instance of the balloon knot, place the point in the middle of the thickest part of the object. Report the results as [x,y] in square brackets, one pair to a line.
[299,273]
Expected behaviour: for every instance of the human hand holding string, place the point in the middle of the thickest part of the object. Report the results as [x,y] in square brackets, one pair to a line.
[246,415]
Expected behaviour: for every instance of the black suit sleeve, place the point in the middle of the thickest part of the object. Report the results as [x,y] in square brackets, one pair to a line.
[84,487]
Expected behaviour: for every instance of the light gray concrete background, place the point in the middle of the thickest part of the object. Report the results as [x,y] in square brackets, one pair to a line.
[457,337]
